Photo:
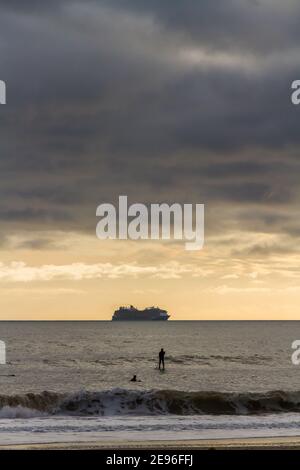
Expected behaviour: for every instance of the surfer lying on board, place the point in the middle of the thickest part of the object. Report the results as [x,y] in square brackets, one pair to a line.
[134,379]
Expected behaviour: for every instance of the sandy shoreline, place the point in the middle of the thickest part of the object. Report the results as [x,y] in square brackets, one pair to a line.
[218,444]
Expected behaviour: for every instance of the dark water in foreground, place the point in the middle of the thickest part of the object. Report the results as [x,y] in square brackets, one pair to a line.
[219,356]
[222,379]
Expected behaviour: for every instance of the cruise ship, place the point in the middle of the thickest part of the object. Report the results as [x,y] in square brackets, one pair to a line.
[133,314]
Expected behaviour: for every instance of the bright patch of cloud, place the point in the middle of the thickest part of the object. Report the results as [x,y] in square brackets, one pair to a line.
[18,271]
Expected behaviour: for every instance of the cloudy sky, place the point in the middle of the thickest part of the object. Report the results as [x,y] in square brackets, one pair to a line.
[164,101]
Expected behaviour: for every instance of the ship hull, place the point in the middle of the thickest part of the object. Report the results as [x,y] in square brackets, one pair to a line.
[140,319]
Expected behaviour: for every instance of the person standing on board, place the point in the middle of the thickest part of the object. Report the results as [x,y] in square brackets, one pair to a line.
[161,357]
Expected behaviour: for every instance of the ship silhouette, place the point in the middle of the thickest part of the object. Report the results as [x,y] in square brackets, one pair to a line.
[133,314]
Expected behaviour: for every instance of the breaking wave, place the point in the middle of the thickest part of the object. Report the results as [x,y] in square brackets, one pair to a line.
[153,402]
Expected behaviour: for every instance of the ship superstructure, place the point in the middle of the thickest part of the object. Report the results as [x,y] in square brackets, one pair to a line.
[133,314]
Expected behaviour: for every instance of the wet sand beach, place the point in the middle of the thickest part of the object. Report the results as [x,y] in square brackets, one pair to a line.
[279,443]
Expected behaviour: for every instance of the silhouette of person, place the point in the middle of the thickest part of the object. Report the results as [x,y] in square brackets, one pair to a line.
[134,379]
[161,359]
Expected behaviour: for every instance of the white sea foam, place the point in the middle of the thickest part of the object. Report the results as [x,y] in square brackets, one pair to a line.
[96,428]
[13,412]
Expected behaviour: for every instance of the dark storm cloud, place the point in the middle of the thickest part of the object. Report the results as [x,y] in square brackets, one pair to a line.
[242,169]
[29,214]
[37,244]
[32,6]
[150,99]
[249,192]
[258,26]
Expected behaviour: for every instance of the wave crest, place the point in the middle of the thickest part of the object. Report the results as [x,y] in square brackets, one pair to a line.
[143,402]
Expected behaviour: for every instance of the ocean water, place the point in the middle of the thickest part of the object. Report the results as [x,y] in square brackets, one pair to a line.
[70,381]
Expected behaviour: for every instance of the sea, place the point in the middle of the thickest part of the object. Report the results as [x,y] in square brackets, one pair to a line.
[70,381]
